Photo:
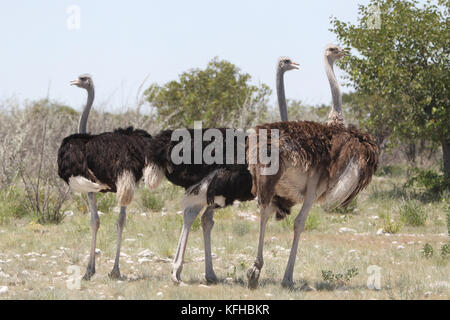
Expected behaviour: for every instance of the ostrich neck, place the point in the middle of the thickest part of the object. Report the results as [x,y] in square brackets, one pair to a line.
[336,112]
[281,96]
[82,126]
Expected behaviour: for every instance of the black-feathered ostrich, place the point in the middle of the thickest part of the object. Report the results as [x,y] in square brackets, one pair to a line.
[207,185]
[318,163]
[106,162]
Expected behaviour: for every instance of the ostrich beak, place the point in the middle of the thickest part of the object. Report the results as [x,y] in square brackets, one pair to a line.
[295,65]
[74,82]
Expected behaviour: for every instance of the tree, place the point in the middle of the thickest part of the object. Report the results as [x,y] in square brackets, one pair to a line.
[218,95]
[404,63]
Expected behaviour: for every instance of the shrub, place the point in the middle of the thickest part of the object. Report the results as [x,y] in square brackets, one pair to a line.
[390,170]
[445,250]
[433,183]
[413,214]
[427,250]
[389,225]
[240,228]
[350,208]
[312,222]
[11,204]
[106,202]
[152,200]
[339,279]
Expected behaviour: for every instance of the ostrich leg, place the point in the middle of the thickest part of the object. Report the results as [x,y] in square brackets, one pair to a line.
[115,273]
[299,226]
[190,213]
[254,271]
[95,224]
[207,225]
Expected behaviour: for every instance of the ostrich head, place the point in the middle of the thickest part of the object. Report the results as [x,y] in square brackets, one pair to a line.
[286,64]
[334,52]
[84,81]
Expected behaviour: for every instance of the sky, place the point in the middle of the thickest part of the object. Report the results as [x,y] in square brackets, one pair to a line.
[120,43]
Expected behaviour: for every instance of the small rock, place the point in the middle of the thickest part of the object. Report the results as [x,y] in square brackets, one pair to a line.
[140,234]
[68,213]
[3,289]
[379,232]
[159,294]
[100,213]
[346,230]
[180,213]
[229,280]
[203,286]
[143,214]
[4,275]
[400,247]
[146,253]
[427,294]
[143,260]
[98,251]
[130,240]
[268,294]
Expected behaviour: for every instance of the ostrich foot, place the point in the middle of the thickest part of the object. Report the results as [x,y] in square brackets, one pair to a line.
[287,283]
[115,274]
[211,278]
[176,276]
[90,271]
[253,277]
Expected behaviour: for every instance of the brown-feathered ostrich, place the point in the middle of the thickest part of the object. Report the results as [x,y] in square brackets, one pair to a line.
[317,163]
[106,162]
[207,185]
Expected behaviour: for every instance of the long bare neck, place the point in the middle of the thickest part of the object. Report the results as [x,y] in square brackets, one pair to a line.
[82,125]
[336,112]
[281,96]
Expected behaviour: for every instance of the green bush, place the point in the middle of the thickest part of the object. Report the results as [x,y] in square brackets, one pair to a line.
[153,201]
[389,225]
[312,222]
[445,250]
[434,184]
[106,202]
[12,204]
[240,228]
[339,279]
[390,171]
[413,214]
[427,250]
[350,208]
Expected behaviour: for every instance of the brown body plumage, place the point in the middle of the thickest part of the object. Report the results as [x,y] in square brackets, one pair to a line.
[325,149]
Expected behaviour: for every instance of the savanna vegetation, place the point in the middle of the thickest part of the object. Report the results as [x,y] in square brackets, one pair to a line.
[400,75]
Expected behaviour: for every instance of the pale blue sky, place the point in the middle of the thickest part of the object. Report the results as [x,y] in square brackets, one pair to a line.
[120,42]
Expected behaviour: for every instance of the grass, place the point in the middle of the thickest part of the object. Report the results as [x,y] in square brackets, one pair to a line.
[35,258]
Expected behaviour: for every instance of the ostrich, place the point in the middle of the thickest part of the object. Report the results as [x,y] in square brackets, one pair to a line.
[284,64]
[210,186]
[107,162]
[318,162]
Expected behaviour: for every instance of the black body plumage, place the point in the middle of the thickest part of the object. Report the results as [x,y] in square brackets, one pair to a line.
[104,157]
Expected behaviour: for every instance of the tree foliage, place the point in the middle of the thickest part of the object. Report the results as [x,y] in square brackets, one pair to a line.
[219,95]
[401,68]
